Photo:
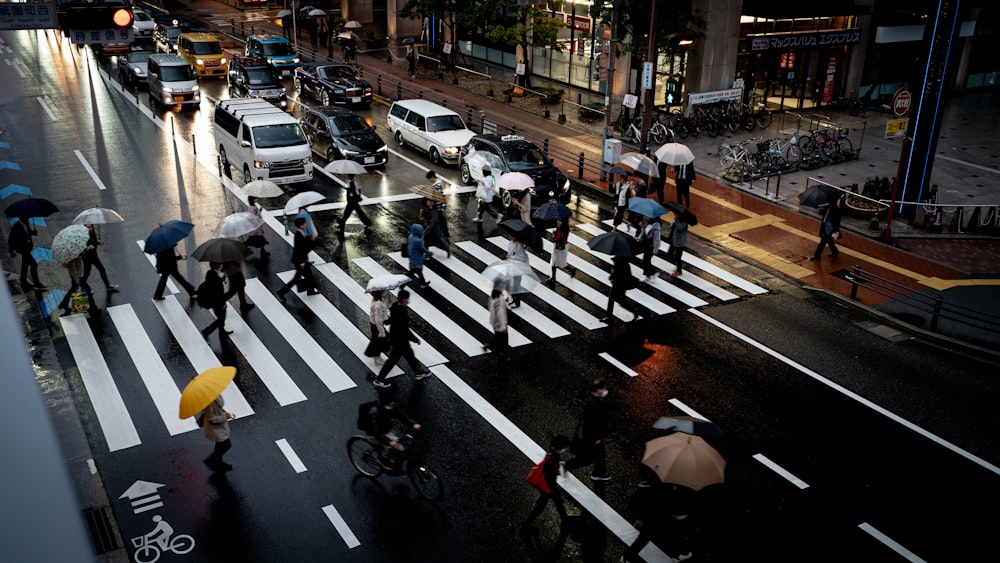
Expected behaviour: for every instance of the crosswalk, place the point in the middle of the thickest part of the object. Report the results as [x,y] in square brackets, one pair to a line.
[453,310]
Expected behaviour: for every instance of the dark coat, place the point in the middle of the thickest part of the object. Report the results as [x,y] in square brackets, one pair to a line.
[399,325]
[19,239]
[621,275]
[595,418]
[166,261]
[551,470]
[301,247]
[213,292]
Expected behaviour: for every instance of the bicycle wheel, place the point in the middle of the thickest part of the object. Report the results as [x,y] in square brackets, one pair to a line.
[778,164]
[807,145]
[793,155]
[727,157]
[829,146]
[425,481]
[748,121]
[364,456]
[181,544]
[763,118]
[713,128]
[693,127]
[845,148]
[659,133]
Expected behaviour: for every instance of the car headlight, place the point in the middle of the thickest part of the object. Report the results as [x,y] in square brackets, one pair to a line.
[199,62]
[253,93]
[295,60]
[167,90]
[261,164]
[348,152]
[452,150]
[222,60]
[383,148]
[196,88]
[306,160]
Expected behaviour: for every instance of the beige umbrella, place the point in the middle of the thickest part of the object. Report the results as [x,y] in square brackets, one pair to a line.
[685,460]
[352,25]
[430,192]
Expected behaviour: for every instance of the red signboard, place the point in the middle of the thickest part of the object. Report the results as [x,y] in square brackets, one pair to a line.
[901,102]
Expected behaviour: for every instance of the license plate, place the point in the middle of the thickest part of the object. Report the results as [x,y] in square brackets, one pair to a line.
[286,72]
[178,98]
[356,100]
[369,159]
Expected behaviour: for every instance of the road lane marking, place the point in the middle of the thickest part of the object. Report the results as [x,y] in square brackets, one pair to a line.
[154,374]
[198,352]
[93,175]
[611,360]
[341,526]
[458,336]
[344,283]
[299,338]
[472,308]
[119,432]
[45,107]
[586,497]
[352,338]
[890,543]
[687,410]
[264,364]
[781,471]
[851,394]
[290,455]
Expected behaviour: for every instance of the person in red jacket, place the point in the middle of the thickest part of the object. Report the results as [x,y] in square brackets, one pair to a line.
[558,445]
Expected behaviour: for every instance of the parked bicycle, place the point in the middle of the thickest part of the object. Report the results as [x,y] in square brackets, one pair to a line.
[832,145]
[788,151]
[738,158]
[366,456]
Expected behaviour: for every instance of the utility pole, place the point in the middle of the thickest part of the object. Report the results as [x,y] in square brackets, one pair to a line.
[609,82]
[649,94]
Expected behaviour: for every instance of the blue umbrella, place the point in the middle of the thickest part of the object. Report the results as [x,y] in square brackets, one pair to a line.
[552,210]
[167,235]
[646,206]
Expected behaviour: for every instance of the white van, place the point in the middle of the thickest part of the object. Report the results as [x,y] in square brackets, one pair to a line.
[171,81]
[431,128]
[262,141]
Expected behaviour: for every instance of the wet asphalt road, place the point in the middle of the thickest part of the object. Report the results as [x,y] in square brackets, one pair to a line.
[843,411]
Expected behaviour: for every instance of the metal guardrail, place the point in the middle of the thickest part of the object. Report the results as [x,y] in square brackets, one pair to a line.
[934,306]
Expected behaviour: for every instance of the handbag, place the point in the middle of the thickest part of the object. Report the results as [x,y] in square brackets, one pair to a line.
[405,250]
[79,301]
[536,477]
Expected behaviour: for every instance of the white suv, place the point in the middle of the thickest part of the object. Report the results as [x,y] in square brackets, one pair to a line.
[431,128]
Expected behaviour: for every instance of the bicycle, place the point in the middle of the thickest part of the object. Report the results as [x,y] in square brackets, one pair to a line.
[365,453]
[147,552]
[738,156]
[789,150]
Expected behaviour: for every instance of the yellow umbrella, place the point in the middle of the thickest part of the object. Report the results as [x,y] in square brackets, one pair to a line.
[204,389]
[685,460]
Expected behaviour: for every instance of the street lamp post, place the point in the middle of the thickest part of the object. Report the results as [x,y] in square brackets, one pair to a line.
[647,99]
[609,84]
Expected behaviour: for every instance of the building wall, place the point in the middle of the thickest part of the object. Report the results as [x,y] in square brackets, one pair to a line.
[712,59]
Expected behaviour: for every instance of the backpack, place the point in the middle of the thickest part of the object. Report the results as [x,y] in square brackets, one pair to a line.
[365,422]
[203,299]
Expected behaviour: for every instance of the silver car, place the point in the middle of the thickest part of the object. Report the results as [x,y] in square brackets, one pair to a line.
[132,69]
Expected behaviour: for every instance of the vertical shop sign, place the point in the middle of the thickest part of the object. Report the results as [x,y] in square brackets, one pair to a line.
[831,75]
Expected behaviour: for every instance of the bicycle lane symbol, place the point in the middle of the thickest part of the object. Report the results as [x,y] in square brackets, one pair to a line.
[144,497]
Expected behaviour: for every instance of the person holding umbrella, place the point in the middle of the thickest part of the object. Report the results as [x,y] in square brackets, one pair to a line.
[622,280]
[828,226]
[166,266]
[683,177]
[400,337]
[678,238]
[378,315]
[301,247]
[498,320]
[212,295]
[256,238]
[411,60]
[20,242]
[77,286]
[233,271]
[516,251]
[91,259]
[353,206]
[215,422]
[416,251]
[649,240]
[485,191]
[560,251]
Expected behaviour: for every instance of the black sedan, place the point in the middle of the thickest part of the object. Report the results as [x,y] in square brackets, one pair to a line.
[338,133]
[333,84]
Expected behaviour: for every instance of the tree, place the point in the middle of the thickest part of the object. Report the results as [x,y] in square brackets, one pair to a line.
[448,10]
[521,26]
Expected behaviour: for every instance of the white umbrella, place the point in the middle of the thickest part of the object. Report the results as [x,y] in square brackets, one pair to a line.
[345,35]
[69,243]
[352,25]
[301,200]
[675,154]
[97,216]
[239,224]
[262,188]
[344,167]
[317,12]
[515,181]
[641,163]
[514,275]
[388,281]
[283,13]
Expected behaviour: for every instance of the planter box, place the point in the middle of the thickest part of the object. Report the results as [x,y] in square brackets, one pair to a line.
[551,98]
[861,212]
[587,113]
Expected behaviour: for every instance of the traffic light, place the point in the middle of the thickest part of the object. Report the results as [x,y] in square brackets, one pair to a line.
[108,20]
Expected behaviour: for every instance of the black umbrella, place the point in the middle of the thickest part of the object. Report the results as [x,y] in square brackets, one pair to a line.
[619,171]
[818,195]
[552,210]
[409,41]
[615,243]
[675,207]
[523,231]
[31,207]
[221,250]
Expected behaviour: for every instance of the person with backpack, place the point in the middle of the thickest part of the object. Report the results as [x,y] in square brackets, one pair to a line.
[550,468]
[385,421]
[212,295]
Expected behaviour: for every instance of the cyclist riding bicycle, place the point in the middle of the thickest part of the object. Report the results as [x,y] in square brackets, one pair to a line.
[161,533]
[385,418]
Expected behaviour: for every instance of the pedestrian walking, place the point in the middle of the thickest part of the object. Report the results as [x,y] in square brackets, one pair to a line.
[649,240]
[641,190]
[400,337]
[20,241]
[215,422]
[623,192]
[311,27]
[485,191]
[659,514]
[350,50]
[828,226]
[441,206]
[311,231]
[557,446]
[560,252]
[92,260]
[256,239]
[594,428]
[166,266]
[659,181]
[378,317]
[678,239]
[434,227]
[521,201]
[622,280]
[286,26]
[72,302]
[301,246]
[516,251]
[498,320]
[683,176]
[212,295]
[233,271]
[416,251]
[322,30]
[353,206]
[411,61]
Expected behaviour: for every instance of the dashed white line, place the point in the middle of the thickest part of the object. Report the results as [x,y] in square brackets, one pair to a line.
[93,175]
[45,107]
[290,455]
[611,360]
[341,526]
[781,471]
[686,409]
[890,543]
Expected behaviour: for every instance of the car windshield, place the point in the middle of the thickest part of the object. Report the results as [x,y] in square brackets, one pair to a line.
[278,49]
[262,77]
[141,16]
[445,123]
[134,58]
[349,125]
[336,71]
[176,73]
[270,136]
[526,157]
[173,33]
[207,48]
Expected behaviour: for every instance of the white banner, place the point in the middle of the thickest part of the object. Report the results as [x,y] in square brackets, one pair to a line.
[695,98]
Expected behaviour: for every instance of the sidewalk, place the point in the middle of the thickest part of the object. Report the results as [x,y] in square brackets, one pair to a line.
[763,223]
